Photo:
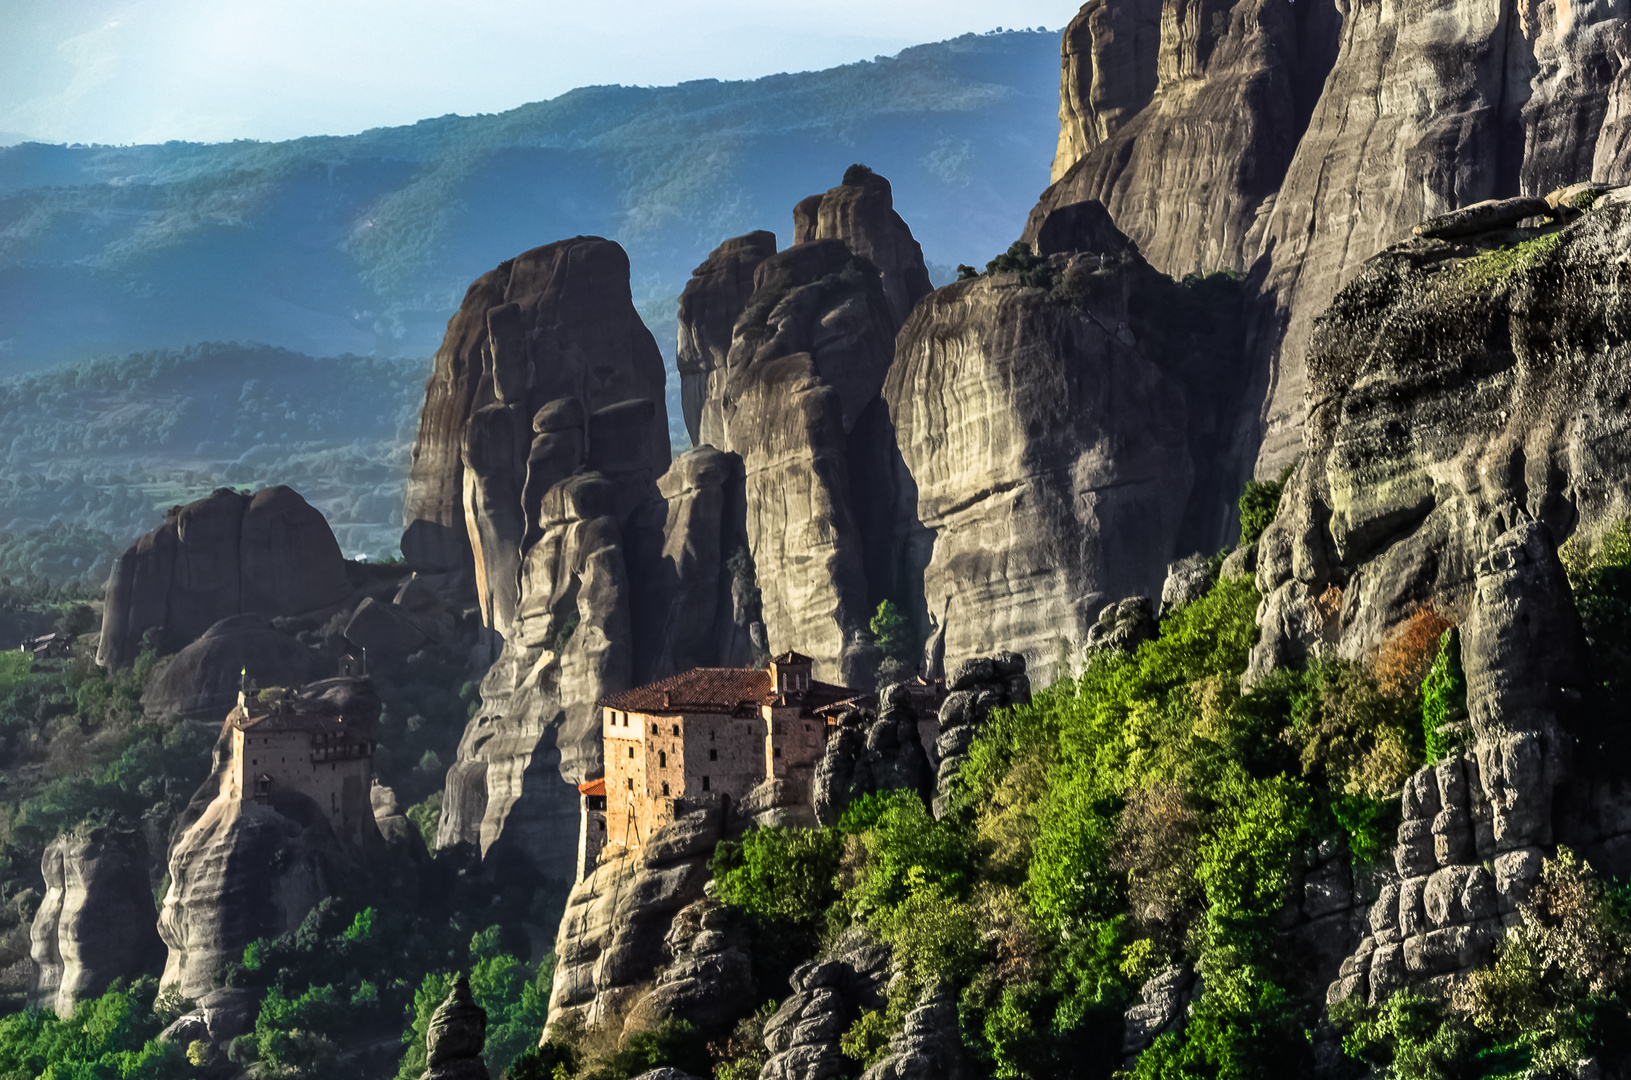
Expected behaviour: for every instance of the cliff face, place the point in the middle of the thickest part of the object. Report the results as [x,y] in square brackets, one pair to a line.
[716,294]
[1452,385]
[861,213]
[1186,172]
[807,358]
[555,322]
[96,922]
[229,554]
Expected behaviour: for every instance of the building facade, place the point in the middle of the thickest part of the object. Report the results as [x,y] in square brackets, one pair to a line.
[318,746]
[709,737]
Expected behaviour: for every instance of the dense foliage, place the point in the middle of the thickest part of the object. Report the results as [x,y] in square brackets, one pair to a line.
[112,1037]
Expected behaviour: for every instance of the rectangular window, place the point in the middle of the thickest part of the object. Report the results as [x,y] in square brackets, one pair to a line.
[705,786]
[631,783]
[713,755]
[777,752]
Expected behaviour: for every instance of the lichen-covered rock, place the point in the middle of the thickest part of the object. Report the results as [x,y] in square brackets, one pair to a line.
[978,686]
[230,554]
[929,1046]
[1123,626]
[96,921]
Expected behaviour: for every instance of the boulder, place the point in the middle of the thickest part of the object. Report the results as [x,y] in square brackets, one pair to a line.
[201,682]
[230,554]
[383,630]
[1485,216]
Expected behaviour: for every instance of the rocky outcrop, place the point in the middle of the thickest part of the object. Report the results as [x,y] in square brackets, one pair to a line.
[872,753]
[1455,385]
[708,981]
[1107,59]
[242,867]
[201,682]
[1049,455]
[828,996]
[1188,174]
[230,554]
[861,213]
[612,937]
[456,1036]
[96,922]
[554,323]
[1122,626]
[1393,141]
[807,358]
[1478,825]
[928,1047]
[978,686]
[713,299]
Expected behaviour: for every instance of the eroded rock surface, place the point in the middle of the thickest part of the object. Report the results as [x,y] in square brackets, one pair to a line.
[978,686]
[861,213]
[96,922]
[456,1036]
[828,996]
[872,752]
[201,682]
[230,554]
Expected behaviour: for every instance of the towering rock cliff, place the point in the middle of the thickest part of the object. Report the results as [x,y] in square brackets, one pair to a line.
[1060,427]
[1107,65]
[555,322]
[598,563]
[96,922]
[861,213]
[713,299]
[1186,173]
[1454,382]
[230,554]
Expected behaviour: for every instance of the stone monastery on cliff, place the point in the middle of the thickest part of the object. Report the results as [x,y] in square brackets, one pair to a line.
[318,742]
[708,736]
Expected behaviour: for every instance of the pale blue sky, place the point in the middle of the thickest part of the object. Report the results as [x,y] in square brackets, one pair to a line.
[149,70]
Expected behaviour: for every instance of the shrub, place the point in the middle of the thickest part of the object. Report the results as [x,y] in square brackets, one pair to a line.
[890,632]
[1403,660]
[1351,735]
[1443,696]
[1259,504]
[1158,844]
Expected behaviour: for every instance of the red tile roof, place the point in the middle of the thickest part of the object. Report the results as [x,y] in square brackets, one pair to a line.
[719,690]
[593,787]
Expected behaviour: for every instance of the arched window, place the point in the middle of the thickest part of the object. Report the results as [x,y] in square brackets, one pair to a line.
[631,751]
[662,760]
[654,729]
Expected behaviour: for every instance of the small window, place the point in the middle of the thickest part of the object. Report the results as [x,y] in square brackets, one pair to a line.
[631,751]
[631,783]
[665,787]
[806,727]
[705,786]
[676,729]
[625,719]
[777,752]
[654,729]
[662,760]
[602,826]
[713,755]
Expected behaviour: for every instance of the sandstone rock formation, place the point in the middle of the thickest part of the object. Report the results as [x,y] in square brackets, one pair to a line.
[1453,387]
[872,753]
[242,867]
[553,323]
[828,996]
[1478,824]
[201,681]
[618,918]
[928,1047]
[861,213]
[1107,74]
[978,686]
[1050,457]
[708,981]
[715,296]
[807,358]
[96,922]
[1122,626]
[456,1036]
[1392,142]
[1187,174]
[270,554]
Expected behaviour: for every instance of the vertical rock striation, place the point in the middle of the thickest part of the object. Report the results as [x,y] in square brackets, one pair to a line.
[96,922]
[712,301]
[1107,59]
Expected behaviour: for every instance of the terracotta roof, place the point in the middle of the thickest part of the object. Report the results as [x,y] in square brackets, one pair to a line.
[593,787]
[720,690]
